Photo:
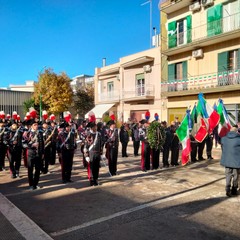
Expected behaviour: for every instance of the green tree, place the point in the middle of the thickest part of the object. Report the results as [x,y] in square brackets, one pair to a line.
[28,104]
[84,100]
[53,92]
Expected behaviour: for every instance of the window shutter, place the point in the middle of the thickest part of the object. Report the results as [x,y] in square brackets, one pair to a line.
[171,72]
[218,19]
[172,34]
[210,21]
[189,29]
[222,61]
[185,71]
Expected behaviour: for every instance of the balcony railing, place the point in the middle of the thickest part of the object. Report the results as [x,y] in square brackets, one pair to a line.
[219,79]
[145,90]
[111,96]
[224,25]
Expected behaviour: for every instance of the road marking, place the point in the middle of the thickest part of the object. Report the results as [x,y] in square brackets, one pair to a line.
[24,225]
[131,210]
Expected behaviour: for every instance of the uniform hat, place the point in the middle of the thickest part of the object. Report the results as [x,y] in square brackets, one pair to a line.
[143,121]
[111,122]
[91,124]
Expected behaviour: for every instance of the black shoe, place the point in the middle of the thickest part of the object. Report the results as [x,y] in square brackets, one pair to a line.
[70,181]
[228,193]
[13,176]
[234,191]
[165,165]
[91,183]
[201,159]
[210,158]
[95,183]
[64,181]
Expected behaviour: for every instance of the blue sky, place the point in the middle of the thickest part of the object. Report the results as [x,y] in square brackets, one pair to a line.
[70,36]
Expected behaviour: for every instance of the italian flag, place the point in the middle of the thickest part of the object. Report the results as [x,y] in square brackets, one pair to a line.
[224,124]
[183,135]
[208,113]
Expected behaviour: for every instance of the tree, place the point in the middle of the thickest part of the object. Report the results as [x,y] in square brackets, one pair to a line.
[53,92]
[28,104]
[84,100]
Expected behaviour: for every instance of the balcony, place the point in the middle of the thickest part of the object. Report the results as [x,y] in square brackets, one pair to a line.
[207,34]
[169,6]
[141,92]
[109,97]
[214,82]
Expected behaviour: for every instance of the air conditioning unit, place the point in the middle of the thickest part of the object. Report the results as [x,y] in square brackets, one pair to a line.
[206,3]
[147,68]
[197,53]
[194,7]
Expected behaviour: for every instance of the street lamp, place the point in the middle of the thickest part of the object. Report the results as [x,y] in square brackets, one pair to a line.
[150,19]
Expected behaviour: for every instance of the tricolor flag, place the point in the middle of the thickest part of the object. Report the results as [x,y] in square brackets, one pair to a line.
[224,124]
[208,113]
[183,135]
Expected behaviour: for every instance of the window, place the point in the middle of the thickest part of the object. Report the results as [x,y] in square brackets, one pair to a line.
[177,76]
[214,20]
[110,89]
[180,32]
[140,85]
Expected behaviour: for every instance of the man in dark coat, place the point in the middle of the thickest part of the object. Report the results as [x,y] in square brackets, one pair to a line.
[230,160]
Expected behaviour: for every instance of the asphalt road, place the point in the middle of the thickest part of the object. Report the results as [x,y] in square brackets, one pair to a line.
[175,203]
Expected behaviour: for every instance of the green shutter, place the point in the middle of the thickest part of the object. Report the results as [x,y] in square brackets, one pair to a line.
[185,71]
[222,61]
[172,34]
[140,76]
[189,29]
[171,72]
[214,20]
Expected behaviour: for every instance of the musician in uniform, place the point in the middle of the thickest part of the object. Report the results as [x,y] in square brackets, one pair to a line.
[112,147]
[14,153]
[35,151]
[66,146]
[3,144]
[92,152]
[82,130]
[47,148]
[53,142]
[145,150]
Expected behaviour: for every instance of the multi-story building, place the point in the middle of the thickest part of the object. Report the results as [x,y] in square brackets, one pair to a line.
[200,52]
[130,87]
[81,81]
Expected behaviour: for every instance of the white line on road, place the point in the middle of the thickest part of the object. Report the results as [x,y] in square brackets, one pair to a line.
[24,225]
[118,214]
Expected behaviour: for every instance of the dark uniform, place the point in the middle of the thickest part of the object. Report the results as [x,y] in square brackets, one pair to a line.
[112,147]
[124,139]
[14,153]
[3,144]
[93,151]
[66,147]
[47,148]
[35,150]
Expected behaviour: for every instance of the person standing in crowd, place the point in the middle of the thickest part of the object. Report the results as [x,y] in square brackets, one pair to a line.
[112,147]
[93,151]
[166,145]
[209,145]
[124,139]
[47,148]
[35,146]
[135,139]
[230,160]
[3,144]
[174,145]
[14,153]
[66,147]
[145,150]
[53,142]
[82,131]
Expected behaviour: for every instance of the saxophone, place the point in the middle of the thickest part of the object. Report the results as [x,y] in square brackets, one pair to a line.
[48,140]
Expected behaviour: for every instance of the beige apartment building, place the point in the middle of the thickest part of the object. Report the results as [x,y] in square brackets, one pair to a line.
[130,87]
[200,52]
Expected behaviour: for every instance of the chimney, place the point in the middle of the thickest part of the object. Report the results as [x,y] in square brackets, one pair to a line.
[104,62]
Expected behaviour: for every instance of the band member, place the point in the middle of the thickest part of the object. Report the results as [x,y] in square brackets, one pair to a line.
[35,151]
[53,142]
[145,150]
[3,144]
[14,153]
[93,151]
[66,147]
[124,139]
[47,147]
[112,147]
[82,131]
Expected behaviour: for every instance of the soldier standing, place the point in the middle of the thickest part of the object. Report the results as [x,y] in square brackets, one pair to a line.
[93,151]
[35,146]
[3,144]
[66,147]
[112,147]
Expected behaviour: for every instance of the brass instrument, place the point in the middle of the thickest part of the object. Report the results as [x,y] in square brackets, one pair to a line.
[48,140]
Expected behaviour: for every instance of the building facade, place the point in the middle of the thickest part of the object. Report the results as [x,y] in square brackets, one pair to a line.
[200,52]
[130,87]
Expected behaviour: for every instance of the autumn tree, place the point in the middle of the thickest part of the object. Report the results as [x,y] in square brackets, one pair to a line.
[53,92]
[84,100]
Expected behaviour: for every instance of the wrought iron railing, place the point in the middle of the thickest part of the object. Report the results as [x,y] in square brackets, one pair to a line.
[212,80]
[139,90]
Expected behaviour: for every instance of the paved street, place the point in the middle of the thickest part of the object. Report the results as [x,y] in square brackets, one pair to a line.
[174,203]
